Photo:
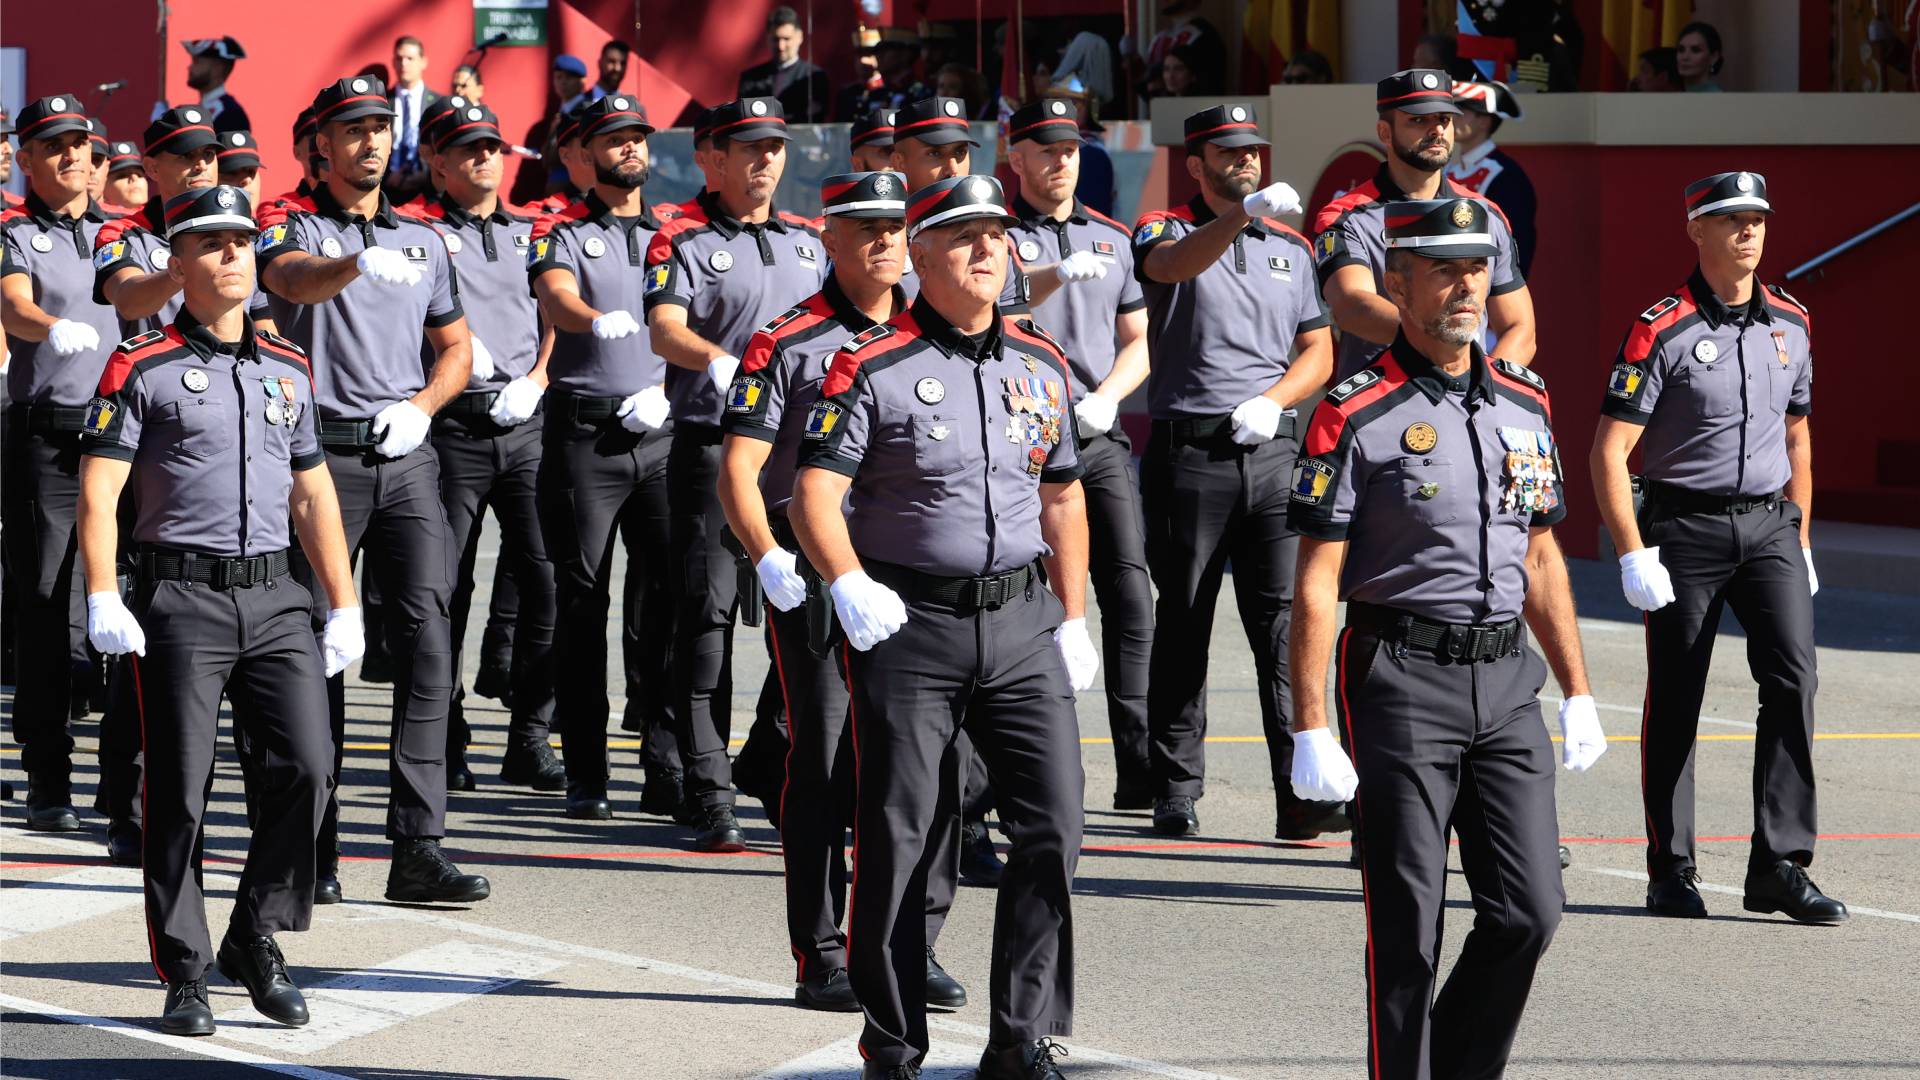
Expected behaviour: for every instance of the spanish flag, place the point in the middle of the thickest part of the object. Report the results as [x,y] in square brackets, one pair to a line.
[1634,26]
[1276,29]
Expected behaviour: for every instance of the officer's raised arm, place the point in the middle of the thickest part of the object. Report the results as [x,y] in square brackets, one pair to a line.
[1223,141]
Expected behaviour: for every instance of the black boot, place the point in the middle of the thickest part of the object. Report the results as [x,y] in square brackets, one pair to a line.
[663,795]
[1022,1061]
[123,843]
[1786,888]
[459,777]
[187,1011]
[326,880]
[422,874]
[50,808]
[1175,816]
[1299,819]
[830,992]
[1677,895]
[979,863]
[255,962]
[943,990]
[533,766]
[873,1070]
[720,831]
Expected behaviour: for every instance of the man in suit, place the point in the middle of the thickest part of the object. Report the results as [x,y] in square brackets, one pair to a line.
[801,86]
[407,171]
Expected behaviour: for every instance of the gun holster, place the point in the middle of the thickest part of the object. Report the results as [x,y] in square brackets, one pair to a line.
[823,627]
[752,597]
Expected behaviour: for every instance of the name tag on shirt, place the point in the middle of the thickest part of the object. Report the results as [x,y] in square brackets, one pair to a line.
[416,252]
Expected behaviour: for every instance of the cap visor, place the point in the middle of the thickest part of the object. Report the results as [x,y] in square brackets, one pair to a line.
[971,213]
[945,135]
[61,127]
[1052,133]
[1423,108]
[186,142]
[619,123]
[1455,251]
[229,223]
[753,132]
[239,161]
[870,212]
[472,134]
[363,109]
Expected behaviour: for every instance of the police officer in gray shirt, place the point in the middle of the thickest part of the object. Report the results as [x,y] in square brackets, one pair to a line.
[947,428]
[1229,292]
[1425,494]
[715,275]
[1715,384]
[58,338]
[348,280]
[213,422]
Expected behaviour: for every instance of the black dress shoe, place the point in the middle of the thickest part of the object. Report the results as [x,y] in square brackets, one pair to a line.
[1787,889]
[326,890]
[187,1011]
[535,767]
[874,1070]
[720,831]
[50,813]
[1299,819]
[1133,796]
[663,795]
[459,777]
[1677,895]
[589,809]
[827,993]
[123,843]
[979,863]
[943,990]
[1022,1061]
[255,962]
[422,874]
[1175,816]
[494,682]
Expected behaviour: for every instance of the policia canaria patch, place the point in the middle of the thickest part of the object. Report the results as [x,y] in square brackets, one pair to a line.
[1311,478]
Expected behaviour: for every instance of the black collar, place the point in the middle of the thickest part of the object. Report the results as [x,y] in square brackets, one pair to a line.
[458,216]
[935,328]
[729,226]
[1032,218]
[1390,191]
[599,212]
[46,215]
[327,206]
[1715,310]
[1435,383]
[201,340]
[843,310]
[1202,213]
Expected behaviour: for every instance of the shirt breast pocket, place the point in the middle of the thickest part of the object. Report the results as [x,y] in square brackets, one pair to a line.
[204,428]
[1424,485]
[1780,378]
[1711,389]
[938,447]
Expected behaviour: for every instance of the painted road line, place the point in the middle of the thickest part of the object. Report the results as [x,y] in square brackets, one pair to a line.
[34,907]
[1635,710]
[198,1047]
[405,988]
[841,1061]
[1641,877]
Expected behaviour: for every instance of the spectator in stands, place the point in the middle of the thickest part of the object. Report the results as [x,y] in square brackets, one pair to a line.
[466,83]
[569,82]
[407,167]
[801,85]
[1089,58]
[937,48]
[961,81]
[1698,55]
[1307,67]
[1658,72]
[1442,52]
[1177,76]
[613,68]
[1185,26]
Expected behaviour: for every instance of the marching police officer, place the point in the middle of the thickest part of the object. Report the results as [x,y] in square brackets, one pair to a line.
[274,210]
[348,279]
[55,330]
[240,163]
[489,451]
[779,381]
[1416,111]
[1718,379]
[213,422]
[947,426]
[1424,496]
[714,276]
[126,189]
[1101,324]
[604,463]
[870,141]
[1225,285]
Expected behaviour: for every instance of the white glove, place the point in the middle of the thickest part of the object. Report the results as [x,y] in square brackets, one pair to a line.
[615,325]
[1077,651]
[343,640]
[401,428]
[69,338]
[387,266]
[1097,412]
[1256,420]
[1080,266]
[1581,740]
[1321,771]
[517,402]
[1813,576]
[111,627]
[780,577]
[869,611]
[482,360]
[644,411]
[1644,580]
[722,370]
[1271,201]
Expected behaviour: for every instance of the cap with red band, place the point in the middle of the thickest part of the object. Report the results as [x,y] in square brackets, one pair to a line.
[50,116]
[873,129]
[239,150]
[1049,120]
[615,112]
[749,119]
[180,130]
[1417,91]
[936,121]
[1231,126]
[350,99]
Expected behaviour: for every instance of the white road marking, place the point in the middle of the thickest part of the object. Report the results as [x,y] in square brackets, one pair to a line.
[841,1061]
[405,988]
[33,907]
[1641,877]
[198,1047]
[1634,710]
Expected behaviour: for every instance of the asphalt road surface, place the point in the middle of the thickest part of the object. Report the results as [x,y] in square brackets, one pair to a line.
[609,950]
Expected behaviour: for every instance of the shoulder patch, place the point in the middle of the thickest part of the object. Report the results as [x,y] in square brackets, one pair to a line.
[867,337]
[1149,230]
[271,237]
[141,341]
[1354,383]
[1665,305]
[108,254]
[1526,375]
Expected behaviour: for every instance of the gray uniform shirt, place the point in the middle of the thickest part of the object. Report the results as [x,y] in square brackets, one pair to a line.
[1434,482]
[490,256]
[215,433]
[55,253]
[1226,334]
[607,256]
[365,342]
[732,277]
[132,242]
[1352,231]
[1080,316]
[947,441]
[1714,386]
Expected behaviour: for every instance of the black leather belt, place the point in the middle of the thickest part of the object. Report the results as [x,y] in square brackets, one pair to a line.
[44,419]
[584,408]
[221,572]
[347,434]
[1204,429]
[1466,642]
[475,405]
[973,593]
[1680,500]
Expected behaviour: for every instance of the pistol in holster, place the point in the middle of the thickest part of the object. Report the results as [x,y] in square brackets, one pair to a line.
[753,598]
[823,627]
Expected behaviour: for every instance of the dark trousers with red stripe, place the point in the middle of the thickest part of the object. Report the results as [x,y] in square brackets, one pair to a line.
[996,674]
[1446,746]
[1752,563]
[255,644]
[817,801]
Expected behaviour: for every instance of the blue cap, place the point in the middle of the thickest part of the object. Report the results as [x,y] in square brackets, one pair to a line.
[572,65]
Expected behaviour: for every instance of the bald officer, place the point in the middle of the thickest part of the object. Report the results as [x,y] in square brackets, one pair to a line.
[213,423]
[946,428]
[1715,384]
[1425,494]
[350,279]
[1229,292]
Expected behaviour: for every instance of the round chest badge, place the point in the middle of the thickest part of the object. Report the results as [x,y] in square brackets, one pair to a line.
[1029,250]
[157,258]
[274,413]
[594,247]
[1419,438]
[1706,351]
[930,391]
[194,380]
[721,261]
[42,243]
[454,244]
[330,247]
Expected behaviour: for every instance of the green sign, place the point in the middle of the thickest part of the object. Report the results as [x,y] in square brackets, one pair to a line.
[524,22]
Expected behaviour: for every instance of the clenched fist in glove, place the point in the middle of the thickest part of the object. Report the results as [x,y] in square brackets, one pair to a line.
[1644,580]
[1321,771]
[869,611]
[1581,740]
[70,338]
[387,266]
[517,403]
[343,640]
[644,411]
[1077,651]
[615,325]
[1271,201]
[402,427]
[482,361]
[111,627]
[1256,420]
[1096,413]
[780,576]
[1080,266]
[721,370]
